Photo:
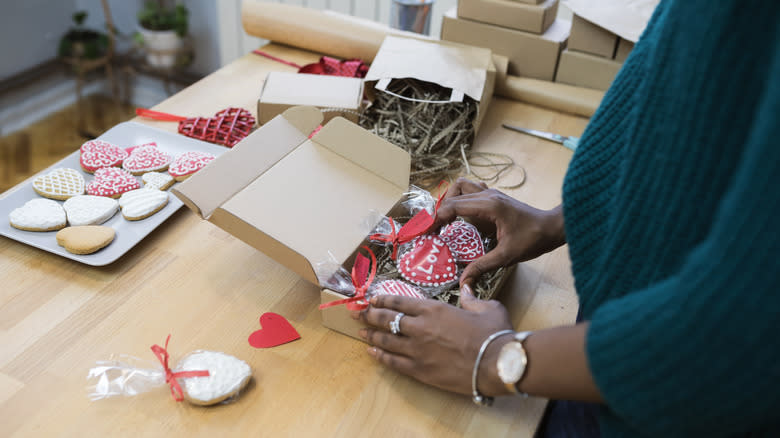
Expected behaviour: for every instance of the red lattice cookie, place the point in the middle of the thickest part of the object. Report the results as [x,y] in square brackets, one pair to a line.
[399,288]
[146,159]
[464,241]
[112,182]
[96,154]
[227,127]
[429,263]
[188,163]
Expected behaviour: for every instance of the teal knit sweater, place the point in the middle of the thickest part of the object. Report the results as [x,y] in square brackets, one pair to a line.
[672,213]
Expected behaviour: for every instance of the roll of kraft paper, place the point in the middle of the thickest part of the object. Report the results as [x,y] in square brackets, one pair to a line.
[345,36]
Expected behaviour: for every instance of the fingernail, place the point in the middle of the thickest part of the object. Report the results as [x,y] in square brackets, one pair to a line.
[371,351]
[363,333]
[354,315]
[466,290]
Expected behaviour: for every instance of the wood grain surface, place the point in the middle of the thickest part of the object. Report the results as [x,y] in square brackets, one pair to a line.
[208,289]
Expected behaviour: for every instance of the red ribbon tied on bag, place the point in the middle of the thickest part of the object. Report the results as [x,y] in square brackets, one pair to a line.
[170,376]
[362,277]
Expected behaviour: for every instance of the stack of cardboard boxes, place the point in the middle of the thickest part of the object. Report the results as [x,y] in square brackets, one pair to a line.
[593,56]
[525,31]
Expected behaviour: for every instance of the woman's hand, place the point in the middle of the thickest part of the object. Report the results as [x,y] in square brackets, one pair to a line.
[438,343]
[523,232]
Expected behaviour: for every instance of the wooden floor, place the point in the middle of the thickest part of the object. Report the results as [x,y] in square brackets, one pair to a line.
[28,151]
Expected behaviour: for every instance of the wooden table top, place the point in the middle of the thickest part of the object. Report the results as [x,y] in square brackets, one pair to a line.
[208,289]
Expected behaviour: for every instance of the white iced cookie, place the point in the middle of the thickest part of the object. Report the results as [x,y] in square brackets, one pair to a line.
[157,180]
[227,376]
[61,183]
[142,203]
[38,215]
[89,209]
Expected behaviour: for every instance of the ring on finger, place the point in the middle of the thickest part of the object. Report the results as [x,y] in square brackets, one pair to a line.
[395,325]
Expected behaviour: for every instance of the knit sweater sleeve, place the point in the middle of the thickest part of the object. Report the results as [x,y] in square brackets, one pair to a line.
[697,354]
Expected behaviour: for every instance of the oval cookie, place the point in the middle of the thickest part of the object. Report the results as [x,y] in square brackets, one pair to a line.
[38,215]
[188,163]
[89,209]
[85,239]
[142,203]
[61,183]
[227,376]
[96,154]
[112,182]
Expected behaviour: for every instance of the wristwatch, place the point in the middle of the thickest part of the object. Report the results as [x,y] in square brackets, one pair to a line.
[512,362]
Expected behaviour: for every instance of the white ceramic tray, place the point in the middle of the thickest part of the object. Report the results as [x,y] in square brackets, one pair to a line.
[128,233]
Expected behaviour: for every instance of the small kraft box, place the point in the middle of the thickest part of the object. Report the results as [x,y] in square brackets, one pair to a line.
[591,38]
[530,55]
[584,70]
[623,49]
[333,95]
[508,13]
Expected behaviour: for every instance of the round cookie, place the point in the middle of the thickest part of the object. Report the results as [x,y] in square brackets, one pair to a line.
[38,215]
[89,209]
[112,182]
[96,154]
[157,180]
[188,163]
[61,183]
[227,376]
[85,239]
[146,159]
[142,203]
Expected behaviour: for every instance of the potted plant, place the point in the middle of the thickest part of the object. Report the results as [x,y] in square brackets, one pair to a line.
[81,43]
[163,25]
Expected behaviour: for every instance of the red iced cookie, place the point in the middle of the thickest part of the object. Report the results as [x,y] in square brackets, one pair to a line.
[132,148]
[188,163]
[398,287]
[112,182]
[96,154]
[146,159]
[464,241]
[429,263]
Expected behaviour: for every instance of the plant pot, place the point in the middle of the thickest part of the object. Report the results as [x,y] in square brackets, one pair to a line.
[84,44]
[161,46]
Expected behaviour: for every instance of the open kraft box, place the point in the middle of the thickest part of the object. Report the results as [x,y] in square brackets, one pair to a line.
[303,201]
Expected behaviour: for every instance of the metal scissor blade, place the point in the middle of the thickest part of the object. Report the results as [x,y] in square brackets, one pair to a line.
[541,134]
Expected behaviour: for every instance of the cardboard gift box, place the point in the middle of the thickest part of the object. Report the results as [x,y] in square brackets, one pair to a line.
[590,38]
[623,49]
[335,95]
[530,55]
[507,13]
[584,70]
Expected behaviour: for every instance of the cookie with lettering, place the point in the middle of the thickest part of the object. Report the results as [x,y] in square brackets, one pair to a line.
[157,180]
[142,203]
[96,154]
[146,159]
[38,215]
[85,239]
[61,183]
[112,182]
[228,375]
[89,209]
[429,263]
[186,164]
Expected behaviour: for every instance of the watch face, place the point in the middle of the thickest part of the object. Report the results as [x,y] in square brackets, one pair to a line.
[511,362]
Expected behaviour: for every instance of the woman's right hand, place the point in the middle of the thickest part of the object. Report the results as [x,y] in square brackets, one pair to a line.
[523,232]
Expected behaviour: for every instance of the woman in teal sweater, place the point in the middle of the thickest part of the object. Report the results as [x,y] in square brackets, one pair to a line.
[671,213]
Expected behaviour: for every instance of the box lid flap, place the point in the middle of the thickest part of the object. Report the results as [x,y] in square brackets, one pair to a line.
[315,90]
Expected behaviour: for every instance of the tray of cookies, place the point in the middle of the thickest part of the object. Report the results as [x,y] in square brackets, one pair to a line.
[98,202]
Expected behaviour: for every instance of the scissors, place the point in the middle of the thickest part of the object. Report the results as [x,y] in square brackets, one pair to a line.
[569,142]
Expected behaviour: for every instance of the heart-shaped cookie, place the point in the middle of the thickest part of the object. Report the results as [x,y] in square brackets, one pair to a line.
[96,154]
[61,183]
[276,330]
[157,180]
[399,288]
[130,149]
[188,163]
[85,239]
[227,376]
[227,127]
[142,203]
[429,263]
[112,182]
[464,241]
[38,215]
[89,209]
[146,159]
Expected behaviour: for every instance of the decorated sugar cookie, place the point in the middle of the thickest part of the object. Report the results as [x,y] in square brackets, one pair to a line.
[227,376]
[464,241]
[89,209]
[142,203]
[38,215]
[96,154]
[157,180]
[188,163]
[399,288]
[85,239]
[146,159]
[130,149]
[112,182]
[429,263]
[61,184]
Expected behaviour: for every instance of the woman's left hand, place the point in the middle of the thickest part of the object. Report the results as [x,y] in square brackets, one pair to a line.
[438,343]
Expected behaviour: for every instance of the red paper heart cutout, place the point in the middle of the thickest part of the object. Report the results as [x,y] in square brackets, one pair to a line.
[276,330]
[429,263]
[227,127]
[464,241]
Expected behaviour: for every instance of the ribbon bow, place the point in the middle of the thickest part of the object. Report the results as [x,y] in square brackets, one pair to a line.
[170,376]
[362,278]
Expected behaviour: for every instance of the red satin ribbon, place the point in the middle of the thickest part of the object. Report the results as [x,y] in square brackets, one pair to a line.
[362,278]
[170,376]
[157,115]
[352,68]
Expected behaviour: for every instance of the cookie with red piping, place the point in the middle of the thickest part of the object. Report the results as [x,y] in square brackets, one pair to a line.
[130,149]
[146,159]
[112,182]
[464,241]
[398,288]
[188,163]
[429,263]
[96,154]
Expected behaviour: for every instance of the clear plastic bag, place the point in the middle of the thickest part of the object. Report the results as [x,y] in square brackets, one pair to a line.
[123,376]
